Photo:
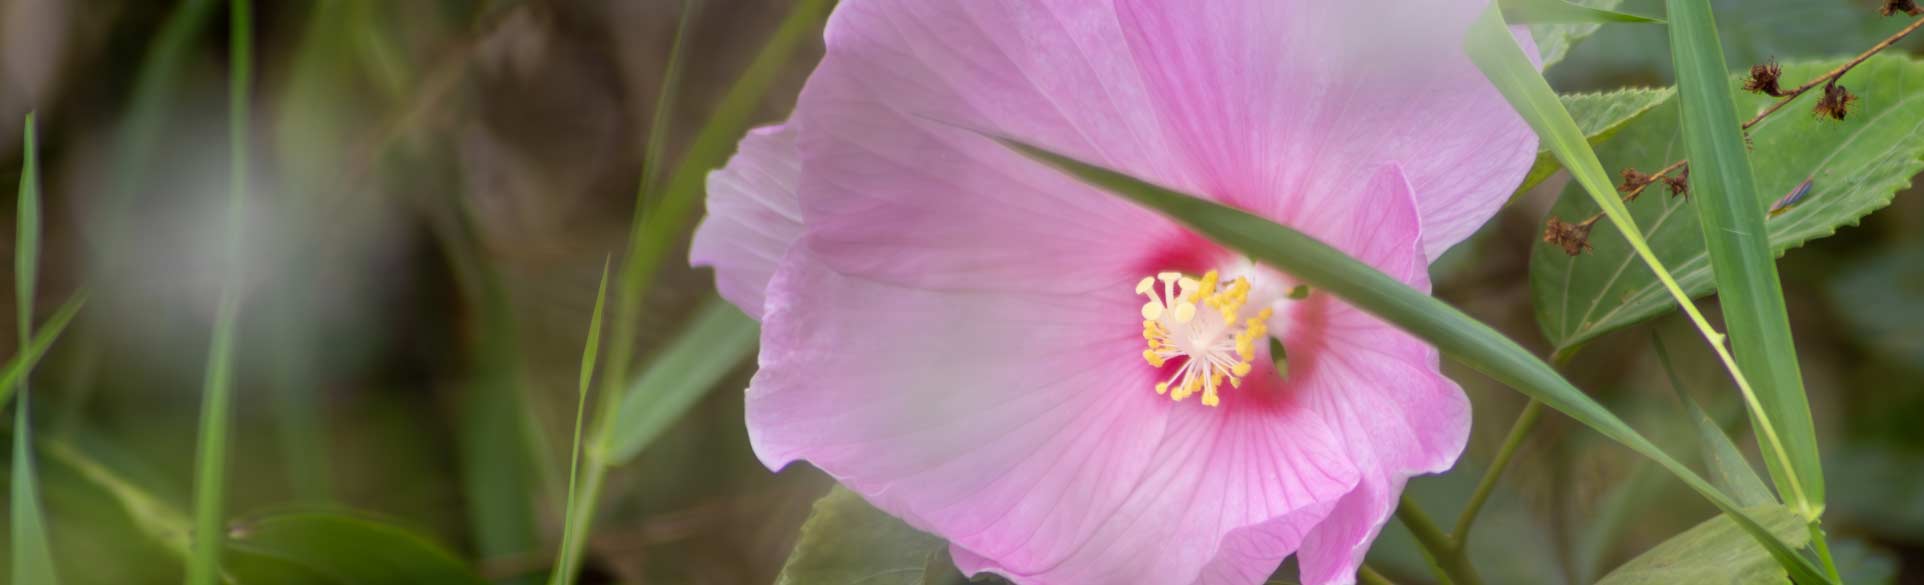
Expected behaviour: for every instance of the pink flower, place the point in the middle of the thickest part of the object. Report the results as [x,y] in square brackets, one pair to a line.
[1071,389]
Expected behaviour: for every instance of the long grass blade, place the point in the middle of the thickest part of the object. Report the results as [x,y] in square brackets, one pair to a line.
[1462,338]
[1497,54]
[1752,299]
[1563,12]
[210,474]
[660,220]
[572,532]
[32,555]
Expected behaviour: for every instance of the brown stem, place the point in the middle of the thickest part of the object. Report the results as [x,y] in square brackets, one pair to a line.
[1834,73]
[1788,97]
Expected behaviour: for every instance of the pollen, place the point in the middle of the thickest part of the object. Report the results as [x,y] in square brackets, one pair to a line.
[1203,329]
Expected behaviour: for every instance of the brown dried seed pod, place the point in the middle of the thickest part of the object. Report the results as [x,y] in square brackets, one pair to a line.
[1763,79]
[1905,6]
[1836,102]
[1574,238]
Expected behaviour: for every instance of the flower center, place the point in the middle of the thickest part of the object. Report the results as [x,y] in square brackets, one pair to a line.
[1203,324]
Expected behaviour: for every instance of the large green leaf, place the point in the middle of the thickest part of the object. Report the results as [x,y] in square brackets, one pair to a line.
[1857,165]
[1600,116]
[338,549]
[847,541]
[1716,551]
[1751,31]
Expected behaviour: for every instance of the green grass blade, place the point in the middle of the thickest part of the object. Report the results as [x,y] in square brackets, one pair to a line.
[1562,12]
[573,533]
[1495,52]
[210,473]
[656,150]
[1740,256]
[153,93]
[1725,463]
[660,220]
[1457,335]
[717,341]
[32,556]
[26,251]
[15,370]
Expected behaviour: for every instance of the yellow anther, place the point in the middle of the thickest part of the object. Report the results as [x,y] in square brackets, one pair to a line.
[1210,398]
[1162,387]
[1154,359]
[1171,330]
[1241,369]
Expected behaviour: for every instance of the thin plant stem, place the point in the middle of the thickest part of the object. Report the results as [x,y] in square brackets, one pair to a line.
[1817,542]
[1443,551]
[210,476]
[1368,576]
[1519,430]
[1789,96]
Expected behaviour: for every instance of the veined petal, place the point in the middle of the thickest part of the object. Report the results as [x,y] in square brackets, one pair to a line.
[1284,103]
[753,216]
[1227,495]
[1377,387]
[896,165]
[1012,422]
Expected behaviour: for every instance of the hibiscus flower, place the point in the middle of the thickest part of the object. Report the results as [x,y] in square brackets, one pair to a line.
[1071,389]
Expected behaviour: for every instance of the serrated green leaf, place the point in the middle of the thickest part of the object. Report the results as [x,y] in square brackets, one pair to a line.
[1600,115]
[848,541]
[1857,165]
[719,339]
[315,548]
[1716,551]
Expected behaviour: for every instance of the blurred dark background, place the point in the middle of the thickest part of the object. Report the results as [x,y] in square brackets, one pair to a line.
[437,186]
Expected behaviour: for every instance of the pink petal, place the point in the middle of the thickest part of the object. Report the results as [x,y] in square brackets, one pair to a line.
[894,165]
[1013,422]
[1021,426]
[1378,388]
[1229,493]
[753,216]
[1282,102]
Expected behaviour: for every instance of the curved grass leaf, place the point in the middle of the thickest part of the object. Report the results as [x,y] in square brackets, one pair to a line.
[312,548]
[1728,469]
[32,556]
[1714,551]
[217,394]
[1554,41]
[848,541]
[1856,166]
[1562,12]
[718,340]
[573,536]
[1457,335]
[1599,116]
[1743,264]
